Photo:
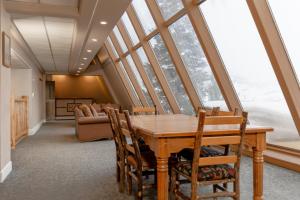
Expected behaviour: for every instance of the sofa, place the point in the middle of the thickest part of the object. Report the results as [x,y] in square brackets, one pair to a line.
[91,125]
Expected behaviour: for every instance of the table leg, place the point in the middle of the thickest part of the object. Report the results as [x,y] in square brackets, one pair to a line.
[258,174]
[162,178]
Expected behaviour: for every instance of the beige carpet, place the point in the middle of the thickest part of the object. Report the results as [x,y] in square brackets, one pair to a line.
[53,165]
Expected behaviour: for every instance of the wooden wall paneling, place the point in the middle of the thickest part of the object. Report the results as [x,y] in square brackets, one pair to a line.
[278,55]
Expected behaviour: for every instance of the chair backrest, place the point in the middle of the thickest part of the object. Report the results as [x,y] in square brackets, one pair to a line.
[233,126]
[228,113]
[127,131]
[137,110]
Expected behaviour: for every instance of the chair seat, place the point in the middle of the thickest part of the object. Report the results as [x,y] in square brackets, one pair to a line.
[148,159]
[188,153]
[207,173]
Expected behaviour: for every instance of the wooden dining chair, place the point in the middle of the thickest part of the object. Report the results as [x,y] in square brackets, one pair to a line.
[120,152]
[214,111]
[139,162]
[216,170]
[138,110]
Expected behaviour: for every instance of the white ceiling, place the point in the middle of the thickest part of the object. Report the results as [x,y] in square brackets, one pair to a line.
[59,32]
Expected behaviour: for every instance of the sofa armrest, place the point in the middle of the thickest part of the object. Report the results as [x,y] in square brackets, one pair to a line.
[93,120]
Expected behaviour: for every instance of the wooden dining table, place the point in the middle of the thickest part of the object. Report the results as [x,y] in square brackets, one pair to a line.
[167,134]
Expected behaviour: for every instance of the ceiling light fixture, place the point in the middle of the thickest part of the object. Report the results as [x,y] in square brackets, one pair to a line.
[94,39]
[89,50]
[79,68]
[84,58]
[81,64]
[103,22]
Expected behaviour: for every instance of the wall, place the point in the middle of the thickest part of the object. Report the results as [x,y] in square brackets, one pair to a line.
[67,86]
[5,154]
[116,84]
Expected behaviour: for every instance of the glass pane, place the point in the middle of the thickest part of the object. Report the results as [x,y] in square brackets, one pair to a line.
[139,79]
[113,47]
[169,8]
[171,75]
[196,63]
[120,39]
[130,29]
[240,46]
[155,83]
[144,15]
[129,81]
[287,17]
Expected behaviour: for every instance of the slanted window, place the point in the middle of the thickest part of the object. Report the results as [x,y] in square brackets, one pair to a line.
[144,15]
[250,70]
[196,63]
[113,47]
[152,77]
[120,39]
[169,8]
[130,29]
[139,79]
[167,66]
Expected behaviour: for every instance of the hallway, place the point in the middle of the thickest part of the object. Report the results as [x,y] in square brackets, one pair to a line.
[53,165]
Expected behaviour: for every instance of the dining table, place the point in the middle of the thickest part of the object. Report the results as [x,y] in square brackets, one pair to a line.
[170,133]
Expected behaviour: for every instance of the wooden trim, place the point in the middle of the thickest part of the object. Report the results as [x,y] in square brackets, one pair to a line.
[216,140]
[218,160]
[278,55]
[212,54]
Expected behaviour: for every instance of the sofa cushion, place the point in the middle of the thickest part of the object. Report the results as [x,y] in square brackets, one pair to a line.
[87,111]
[79,112]
[93,120]
[97,107]
[94,112]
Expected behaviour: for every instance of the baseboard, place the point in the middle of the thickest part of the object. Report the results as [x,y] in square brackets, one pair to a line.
[36,128]
[5,171]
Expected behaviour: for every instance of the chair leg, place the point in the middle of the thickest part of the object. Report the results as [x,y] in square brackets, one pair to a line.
[236,188]
[118,172]
[129,180]
[140,187]
[122,177]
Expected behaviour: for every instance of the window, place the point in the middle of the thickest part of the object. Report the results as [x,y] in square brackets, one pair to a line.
[130,29]
[112,47]
[171,75]
[152,77]
[120,39]
[196,63]
[129,81]
[144,15]
[139,80]
[286,14]
[169,8]
[246,60]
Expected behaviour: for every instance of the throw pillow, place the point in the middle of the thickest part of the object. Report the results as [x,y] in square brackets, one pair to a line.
[94,111]
[87,111]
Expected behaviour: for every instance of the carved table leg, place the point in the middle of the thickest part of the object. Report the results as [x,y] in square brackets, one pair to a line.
[258,175]
[162,178]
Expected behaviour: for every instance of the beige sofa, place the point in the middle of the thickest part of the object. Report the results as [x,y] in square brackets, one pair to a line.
[91,126]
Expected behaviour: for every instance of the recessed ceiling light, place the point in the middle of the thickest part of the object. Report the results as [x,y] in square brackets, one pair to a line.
[94,39]
[103,22]
[79,68]
[81,64]
[84,58]
[89,50]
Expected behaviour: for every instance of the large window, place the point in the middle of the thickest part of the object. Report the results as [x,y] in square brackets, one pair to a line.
[133,36]
[120,64]
[196,63]
[152,77]
[169,8]
[171,75]
[120,39]
[241,48]
[139,79]
[112,47]
[287,15]
[144,15]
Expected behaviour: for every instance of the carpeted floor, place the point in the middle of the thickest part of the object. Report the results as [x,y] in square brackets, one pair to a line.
[53,165]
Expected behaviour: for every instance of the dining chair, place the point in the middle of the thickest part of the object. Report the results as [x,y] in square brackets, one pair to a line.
[215,170]
[139,162]
[138,110]
[120,152]
[214,111]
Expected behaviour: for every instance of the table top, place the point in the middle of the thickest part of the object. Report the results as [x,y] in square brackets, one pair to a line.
[180,125]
